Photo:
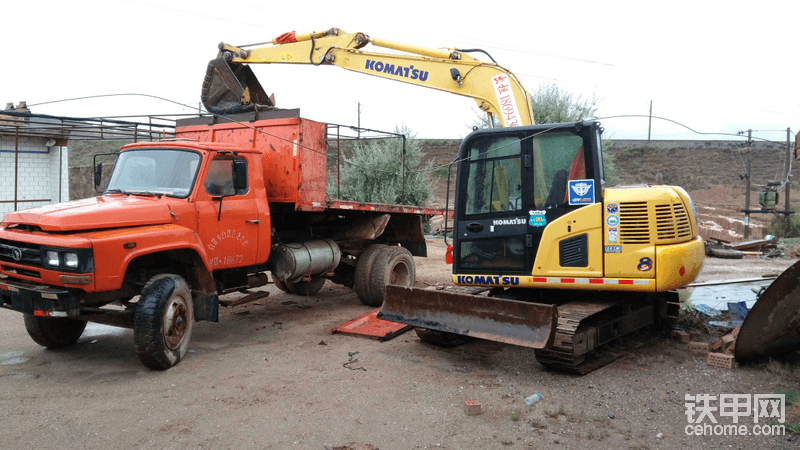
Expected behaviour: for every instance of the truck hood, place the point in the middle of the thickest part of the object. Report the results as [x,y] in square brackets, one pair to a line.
[107,211]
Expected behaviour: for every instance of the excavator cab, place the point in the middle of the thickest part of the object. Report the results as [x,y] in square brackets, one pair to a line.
[512,183]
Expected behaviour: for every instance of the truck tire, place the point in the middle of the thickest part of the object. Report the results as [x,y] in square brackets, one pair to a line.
[441,338]
[363,274]
[54,332]
[306,287]
[393,265]
[163,321]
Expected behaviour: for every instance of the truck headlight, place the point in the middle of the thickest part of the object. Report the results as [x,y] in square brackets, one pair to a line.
[71,260]
[51,258]
[79,260]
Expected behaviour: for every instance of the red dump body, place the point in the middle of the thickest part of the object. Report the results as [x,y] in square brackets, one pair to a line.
[294,158]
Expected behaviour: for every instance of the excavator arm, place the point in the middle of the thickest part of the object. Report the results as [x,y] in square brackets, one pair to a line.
[231,87]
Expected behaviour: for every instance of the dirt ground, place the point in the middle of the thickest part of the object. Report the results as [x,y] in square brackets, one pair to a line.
[271,375]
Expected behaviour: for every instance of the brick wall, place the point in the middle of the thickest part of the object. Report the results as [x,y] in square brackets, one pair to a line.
[38,169]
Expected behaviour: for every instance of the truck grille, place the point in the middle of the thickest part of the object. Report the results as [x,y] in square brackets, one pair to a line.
[671,220]
[28,254]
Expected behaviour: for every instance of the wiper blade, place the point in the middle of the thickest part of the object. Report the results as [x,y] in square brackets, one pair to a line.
[145,194]
[115,191]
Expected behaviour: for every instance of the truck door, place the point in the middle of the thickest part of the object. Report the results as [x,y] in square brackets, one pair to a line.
[512,184]
[228,218]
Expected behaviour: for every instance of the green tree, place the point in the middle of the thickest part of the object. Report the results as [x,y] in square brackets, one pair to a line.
[551,104]
[373,173]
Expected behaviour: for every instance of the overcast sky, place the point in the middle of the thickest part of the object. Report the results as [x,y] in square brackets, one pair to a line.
[714,66]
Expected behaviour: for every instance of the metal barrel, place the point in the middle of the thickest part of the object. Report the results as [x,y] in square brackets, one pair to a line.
[509,321]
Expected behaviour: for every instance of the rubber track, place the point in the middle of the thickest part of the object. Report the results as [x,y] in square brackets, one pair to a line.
[560,357]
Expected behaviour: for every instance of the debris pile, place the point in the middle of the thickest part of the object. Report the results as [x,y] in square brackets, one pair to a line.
[765,248]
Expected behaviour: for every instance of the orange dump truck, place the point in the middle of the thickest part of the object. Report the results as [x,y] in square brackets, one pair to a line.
[183,221]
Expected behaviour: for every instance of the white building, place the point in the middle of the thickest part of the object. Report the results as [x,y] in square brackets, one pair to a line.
[34,169]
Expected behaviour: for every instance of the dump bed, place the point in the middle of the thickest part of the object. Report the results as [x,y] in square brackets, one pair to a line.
[294,157]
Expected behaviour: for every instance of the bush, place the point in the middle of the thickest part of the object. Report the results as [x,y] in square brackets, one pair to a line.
[374,172]
[778,227]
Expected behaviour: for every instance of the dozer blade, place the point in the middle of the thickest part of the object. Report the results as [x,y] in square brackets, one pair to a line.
[232,89]
[772,327]
[509,321]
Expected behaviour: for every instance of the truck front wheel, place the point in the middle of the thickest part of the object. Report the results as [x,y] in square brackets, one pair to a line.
[162,323]
[54,332]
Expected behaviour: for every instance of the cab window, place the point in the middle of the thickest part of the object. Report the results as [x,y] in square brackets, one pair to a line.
[557,158]
[219,180]
[494,182]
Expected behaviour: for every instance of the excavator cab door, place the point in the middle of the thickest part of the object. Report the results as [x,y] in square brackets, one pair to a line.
[512,183]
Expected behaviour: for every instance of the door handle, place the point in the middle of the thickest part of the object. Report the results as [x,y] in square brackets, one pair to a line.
[253,221]
[474,227]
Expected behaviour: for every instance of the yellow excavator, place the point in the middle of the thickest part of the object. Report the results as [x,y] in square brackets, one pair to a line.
[544,254]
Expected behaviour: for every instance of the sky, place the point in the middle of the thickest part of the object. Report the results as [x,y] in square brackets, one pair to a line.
[711,68]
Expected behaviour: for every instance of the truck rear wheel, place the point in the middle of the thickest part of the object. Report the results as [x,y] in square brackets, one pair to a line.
[394,265]
[54,332]
[163,321]
[364,268]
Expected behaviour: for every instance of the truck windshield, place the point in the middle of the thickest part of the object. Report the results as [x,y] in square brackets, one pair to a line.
[170,172]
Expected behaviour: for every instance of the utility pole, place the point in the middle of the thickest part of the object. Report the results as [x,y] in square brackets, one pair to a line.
[747,185]
[787,217]
[359,120]
[650,122]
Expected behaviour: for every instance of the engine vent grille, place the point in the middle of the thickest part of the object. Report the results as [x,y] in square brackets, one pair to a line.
[634,223]
[672,222]
[573,252]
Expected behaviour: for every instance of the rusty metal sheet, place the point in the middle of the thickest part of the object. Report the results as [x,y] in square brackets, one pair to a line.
[509,321]
[772,327]
[368,325]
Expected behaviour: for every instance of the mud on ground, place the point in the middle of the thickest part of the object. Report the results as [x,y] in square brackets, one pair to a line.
[271,375]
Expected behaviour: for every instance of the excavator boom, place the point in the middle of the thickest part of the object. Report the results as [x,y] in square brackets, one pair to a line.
[230,86]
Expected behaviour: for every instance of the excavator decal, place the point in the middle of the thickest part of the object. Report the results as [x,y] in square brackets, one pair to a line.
[378,66]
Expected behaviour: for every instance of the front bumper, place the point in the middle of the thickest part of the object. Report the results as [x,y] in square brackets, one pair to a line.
[37,299]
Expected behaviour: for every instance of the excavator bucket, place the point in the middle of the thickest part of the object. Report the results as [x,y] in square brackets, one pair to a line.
[510,321]
[231,89]
[772,327]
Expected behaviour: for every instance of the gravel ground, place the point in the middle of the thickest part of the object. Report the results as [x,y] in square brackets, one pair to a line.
[271,375]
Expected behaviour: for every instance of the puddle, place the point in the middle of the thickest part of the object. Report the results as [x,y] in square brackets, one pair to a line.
[12,358]
[717,297]
[12,361]
[97,329]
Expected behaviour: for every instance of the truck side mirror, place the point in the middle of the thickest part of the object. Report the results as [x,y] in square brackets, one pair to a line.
[239,175]
[98,174]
